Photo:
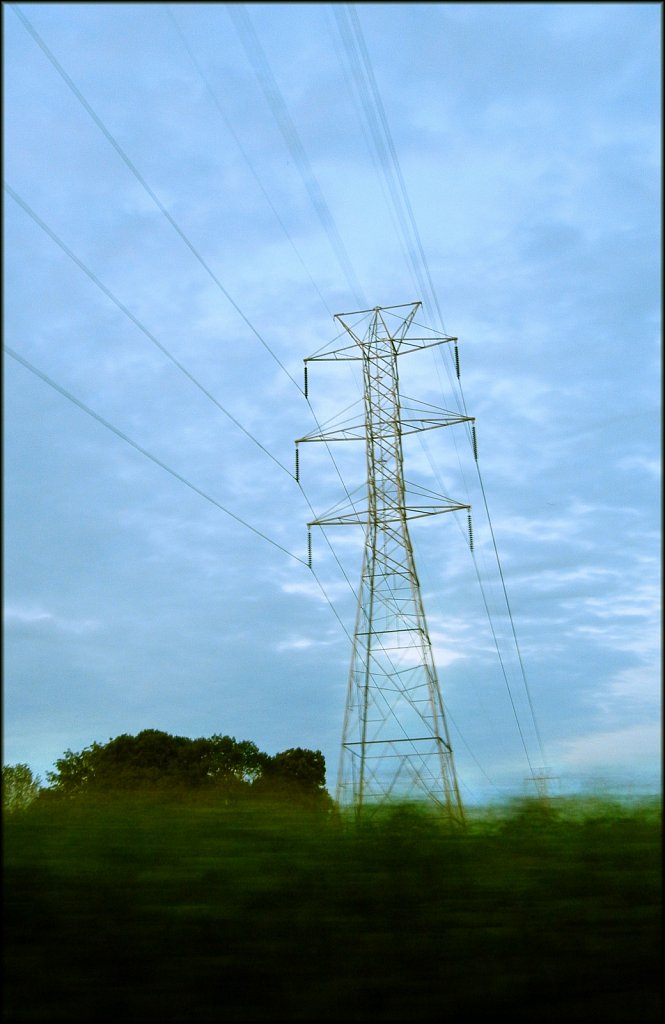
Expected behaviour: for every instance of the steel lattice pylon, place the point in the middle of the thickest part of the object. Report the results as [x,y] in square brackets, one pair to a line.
[395,742]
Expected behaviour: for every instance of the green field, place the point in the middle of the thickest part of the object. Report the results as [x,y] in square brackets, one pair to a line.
[139,911]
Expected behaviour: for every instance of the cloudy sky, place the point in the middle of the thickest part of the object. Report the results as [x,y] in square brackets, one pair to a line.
[191,192]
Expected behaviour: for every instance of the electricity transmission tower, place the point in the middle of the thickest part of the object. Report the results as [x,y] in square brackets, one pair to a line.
[395,742]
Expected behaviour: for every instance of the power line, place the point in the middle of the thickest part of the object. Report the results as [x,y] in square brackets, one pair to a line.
[139,177]
[376,116]
[527,689]
[244,26]
[375,113]
[153,458]
[273,95]
[360,62]
[377,121]
[512,624]
[178,476]
[97,120]
[503,670]
[168,216]
[506,598]
[373,124]
[355,85]
[244,153]
[93,277]
[128,313]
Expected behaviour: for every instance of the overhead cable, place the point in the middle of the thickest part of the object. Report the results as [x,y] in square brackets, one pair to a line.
[244,153]
[178,476]
[128,313]
[139,177]
[93,277]
[271,91]
[143,451]
[376,116]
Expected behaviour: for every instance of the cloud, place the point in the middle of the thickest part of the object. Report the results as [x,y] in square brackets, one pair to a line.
[637,688]
[633,747]
[310,589]
[306,643]
[444,656]
[642,463]
[38,619]
[627,621]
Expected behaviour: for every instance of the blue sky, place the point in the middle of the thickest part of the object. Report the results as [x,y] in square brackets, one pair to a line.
[192,191]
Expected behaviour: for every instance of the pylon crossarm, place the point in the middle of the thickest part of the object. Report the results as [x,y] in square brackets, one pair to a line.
[336,355]
[355,432]
[359,517]
[354,353]
[409,344]
[416,426]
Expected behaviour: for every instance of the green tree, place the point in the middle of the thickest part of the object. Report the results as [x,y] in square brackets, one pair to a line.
[219,767]
[297,775]
[74,772]
[19,787]
[156,761]
[151,760]
[224,756]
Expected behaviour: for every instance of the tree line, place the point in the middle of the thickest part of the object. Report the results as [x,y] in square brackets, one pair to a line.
[156,763]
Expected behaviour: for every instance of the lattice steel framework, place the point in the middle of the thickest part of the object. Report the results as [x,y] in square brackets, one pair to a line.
[395,742]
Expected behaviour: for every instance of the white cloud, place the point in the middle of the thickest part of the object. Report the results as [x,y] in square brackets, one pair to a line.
[626,621]
[37,618]
[444,656]
[643,464]
[631,691]
[309,588]
[299,643]
[638,686]
[632,747]
[26,616]
[553,579]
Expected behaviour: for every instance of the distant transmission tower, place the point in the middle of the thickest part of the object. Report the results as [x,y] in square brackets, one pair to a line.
[395,742]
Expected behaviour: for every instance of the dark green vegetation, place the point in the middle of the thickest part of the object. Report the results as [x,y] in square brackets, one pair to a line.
[219,769]
[140,907]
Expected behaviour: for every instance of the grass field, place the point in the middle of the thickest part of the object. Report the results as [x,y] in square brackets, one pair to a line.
[134,911]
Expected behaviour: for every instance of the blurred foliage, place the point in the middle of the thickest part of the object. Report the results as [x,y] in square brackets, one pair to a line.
[19,787]
[137,909]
